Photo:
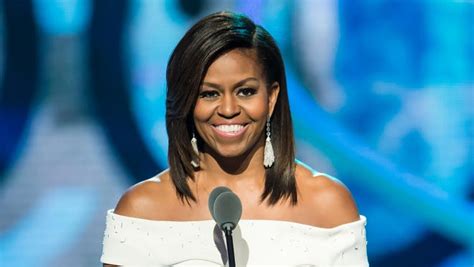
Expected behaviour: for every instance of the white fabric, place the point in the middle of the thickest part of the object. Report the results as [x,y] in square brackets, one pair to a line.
[138,242]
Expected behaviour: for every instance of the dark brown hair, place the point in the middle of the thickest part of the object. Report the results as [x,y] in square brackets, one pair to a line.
[209,38]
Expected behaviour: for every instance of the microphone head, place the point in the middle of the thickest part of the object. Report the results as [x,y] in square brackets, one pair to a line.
[227,210]
[212,198]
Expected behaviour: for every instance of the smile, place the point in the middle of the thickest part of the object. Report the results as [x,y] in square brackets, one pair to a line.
[228,130]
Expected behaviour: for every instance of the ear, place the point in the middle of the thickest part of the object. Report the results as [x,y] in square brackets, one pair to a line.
[273,97]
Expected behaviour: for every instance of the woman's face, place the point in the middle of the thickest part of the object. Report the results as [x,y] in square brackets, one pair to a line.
[233,104]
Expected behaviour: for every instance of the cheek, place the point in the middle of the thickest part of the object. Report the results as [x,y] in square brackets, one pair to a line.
[257,112]
[199,119]
[257,109]
[202,112]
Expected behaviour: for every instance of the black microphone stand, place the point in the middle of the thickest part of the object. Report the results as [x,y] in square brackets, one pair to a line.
[228,227]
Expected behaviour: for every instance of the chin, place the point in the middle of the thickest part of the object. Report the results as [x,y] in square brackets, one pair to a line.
[232,151]
[230,154]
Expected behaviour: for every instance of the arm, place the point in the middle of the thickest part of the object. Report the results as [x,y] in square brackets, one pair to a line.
[326,201]
[335,203]
[141,201]
[129,205]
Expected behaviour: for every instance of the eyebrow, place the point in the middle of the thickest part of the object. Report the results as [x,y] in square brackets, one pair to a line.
[239,83]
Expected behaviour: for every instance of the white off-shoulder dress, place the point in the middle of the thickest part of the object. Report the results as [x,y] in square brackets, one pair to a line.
[138,242]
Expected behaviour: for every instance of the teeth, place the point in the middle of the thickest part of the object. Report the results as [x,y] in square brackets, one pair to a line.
[230,128]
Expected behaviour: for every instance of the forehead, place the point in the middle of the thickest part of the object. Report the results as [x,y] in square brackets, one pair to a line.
[234,64]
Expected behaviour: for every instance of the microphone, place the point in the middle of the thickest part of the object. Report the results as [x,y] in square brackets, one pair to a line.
[212,198]
[226,209]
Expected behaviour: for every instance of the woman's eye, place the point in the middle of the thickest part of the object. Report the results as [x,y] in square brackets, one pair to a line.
[247,91]
[208,94]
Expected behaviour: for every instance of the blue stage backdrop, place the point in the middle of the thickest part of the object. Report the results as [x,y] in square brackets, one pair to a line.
[382,97]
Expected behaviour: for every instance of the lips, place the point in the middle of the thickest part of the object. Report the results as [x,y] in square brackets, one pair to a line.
[229,130]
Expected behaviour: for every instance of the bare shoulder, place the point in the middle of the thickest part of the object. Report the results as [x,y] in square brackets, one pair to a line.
[149,199]
[329,201]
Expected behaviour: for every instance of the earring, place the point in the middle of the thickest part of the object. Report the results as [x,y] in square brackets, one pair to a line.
[195,161]
[268,155]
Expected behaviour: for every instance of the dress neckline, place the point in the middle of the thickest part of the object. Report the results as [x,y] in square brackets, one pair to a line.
[362,221]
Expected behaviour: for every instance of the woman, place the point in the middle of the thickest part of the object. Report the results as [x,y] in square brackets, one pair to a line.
[229,124]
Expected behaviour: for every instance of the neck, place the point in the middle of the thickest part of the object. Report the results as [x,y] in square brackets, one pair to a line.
[233,170]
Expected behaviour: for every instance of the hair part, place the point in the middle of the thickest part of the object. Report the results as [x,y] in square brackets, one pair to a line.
[208,39]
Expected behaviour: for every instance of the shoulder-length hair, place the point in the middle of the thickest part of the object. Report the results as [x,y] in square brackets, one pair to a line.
[208,39]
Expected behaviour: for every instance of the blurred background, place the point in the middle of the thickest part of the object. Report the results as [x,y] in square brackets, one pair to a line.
[382,96]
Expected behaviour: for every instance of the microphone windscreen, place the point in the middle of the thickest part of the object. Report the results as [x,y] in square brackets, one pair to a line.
[227,210]
[212,198]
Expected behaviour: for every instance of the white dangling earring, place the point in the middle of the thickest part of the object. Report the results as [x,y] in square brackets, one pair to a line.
[195,161]
[268,155]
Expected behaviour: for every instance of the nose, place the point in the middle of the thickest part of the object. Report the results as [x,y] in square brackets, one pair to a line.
[229,107]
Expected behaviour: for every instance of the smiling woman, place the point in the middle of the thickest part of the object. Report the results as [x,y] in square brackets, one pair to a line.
[233,106]
[229,124]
